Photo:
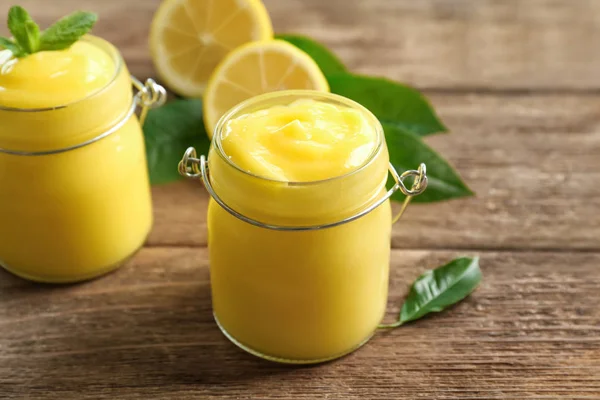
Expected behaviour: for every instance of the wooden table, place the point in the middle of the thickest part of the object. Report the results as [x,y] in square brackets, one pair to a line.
[518,83]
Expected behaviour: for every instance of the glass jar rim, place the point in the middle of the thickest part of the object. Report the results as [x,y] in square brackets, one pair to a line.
[298,94]
[103,45]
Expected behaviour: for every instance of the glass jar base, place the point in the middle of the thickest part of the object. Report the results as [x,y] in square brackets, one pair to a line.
[286,360]
[71,279]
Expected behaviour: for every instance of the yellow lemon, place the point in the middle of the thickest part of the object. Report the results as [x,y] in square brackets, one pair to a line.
[257,68]
[189,38]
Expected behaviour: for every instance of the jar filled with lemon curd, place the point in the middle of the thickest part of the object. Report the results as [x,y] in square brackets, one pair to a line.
[75,197]
[299,224]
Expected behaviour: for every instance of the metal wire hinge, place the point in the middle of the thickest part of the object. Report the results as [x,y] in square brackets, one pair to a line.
[150,95]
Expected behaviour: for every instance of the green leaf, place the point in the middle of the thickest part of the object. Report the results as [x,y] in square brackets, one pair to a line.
[391,102]
[25,31]
[169,131]
[8,44]
[33,36]
[440,288]
[325,59]
[407,151]
[67,31]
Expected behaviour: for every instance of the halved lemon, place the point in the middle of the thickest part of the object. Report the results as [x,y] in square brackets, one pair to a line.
[189,38]
[257,68]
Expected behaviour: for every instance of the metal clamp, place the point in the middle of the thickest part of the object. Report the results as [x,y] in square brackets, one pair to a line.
[193,167]
[150,95]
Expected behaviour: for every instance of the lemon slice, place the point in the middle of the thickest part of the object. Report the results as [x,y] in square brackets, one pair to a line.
[188,38]
[257,68]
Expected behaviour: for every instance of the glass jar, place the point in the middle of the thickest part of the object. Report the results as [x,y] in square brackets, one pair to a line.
[299,270]
[75,199]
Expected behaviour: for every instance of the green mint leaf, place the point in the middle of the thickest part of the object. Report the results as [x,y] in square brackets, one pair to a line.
[67,31]
[391,102]
[33,37]
[169,131]
[407,151]
[8,44]
[325,59]
[24,29]
[440,288]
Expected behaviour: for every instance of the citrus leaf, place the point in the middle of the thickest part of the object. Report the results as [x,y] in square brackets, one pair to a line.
[440,288]
[407,151]
[66,31]
[325,59]
[169,131]
[391,102]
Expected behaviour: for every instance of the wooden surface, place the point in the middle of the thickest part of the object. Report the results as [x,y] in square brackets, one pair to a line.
[517,81]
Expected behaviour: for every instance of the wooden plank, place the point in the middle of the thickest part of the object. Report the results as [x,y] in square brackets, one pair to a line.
[532,161]
[452,44]
[532,330]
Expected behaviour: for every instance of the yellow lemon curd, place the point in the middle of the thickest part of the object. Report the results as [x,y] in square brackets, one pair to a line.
[70,215]
[305,141]
[53,78]
[299,159]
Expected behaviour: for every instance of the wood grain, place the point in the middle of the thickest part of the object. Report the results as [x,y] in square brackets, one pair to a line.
[532,160]
[532,330]
[450,44]
[516,81]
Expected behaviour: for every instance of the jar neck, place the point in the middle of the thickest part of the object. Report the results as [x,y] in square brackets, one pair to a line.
[299,204]
[25,130]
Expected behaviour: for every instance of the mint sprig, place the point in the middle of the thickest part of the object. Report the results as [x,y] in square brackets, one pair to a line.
[8,44]
[23,28]
[67,31]
[27,38]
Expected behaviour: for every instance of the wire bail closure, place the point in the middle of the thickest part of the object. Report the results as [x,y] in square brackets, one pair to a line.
[150,95]
[193,167]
